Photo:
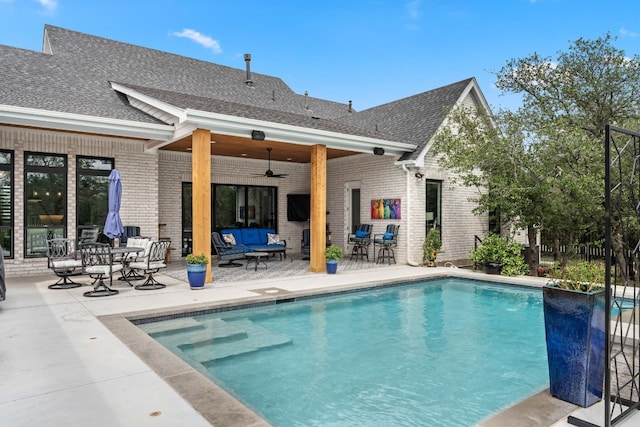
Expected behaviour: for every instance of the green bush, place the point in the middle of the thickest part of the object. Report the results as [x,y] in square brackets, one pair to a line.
[333,252]
[197,259]
[583,276]
[501,250]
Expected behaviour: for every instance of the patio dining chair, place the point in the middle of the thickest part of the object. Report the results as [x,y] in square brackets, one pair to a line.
[388,241]
[305,244]
[62,261]
[98,263]
[151,264]
[226,252]
[361,240]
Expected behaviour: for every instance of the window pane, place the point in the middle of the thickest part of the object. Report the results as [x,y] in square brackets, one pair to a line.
[95,164]
[44,160]
[6,158]
[433,204]
[229,208]
[45,207]
[93,200]
[5,199]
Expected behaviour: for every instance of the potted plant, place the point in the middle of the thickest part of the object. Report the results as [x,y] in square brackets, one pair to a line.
[430,247]
[332,254]
[499,255]
[574,317]
[197,270]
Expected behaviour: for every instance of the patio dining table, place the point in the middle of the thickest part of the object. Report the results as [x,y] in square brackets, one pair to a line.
[123,253]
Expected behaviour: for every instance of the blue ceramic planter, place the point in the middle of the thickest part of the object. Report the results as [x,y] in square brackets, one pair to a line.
[332,266]
[196,274]
[574,326]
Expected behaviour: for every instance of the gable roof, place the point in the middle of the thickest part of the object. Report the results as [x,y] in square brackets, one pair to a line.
[74,76]
[415,119]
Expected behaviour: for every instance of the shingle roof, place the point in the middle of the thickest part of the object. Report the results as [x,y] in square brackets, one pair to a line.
[414,119]
[235,109]
[74,72]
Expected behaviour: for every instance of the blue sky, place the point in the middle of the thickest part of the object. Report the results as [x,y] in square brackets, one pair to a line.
[367,51]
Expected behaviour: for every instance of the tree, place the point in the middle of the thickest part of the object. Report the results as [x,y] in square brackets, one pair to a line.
[542,166]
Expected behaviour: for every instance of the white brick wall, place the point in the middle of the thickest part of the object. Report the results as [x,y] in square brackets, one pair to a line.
[152,193]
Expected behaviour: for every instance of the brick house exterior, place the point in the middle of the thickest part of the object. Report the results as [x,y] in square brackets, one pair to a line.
[89,96]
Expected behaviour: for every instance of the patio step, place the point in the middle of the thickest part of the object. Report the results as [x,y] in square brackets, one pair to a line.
[256,338]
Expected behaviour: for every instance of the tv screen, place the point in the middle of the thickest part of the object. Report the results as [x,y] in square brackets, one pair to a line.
[298,207]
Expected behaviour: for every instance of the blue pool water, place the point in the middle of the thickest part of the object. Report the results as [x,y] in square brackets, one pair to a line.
[438,353]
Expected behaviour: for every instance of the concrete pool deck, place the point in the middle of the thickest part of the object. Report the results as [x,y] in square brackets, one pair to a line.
[70,360]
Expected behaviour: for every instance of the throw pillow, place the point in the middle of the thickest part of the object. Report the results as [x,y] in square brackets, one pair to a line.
[361,234]
[273,239]
[229,239]
[387,236]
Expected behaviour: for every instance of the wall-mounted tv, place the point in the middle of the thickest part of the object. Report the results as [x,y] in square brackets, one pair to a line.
[298,207]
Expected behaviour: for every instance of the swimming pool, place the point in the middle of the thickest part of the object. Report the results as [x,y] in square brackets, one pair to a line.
[442,352]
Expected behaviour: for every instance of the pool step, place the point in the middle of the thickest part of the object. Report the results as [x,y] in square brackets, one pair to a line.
[256,338]
[171,333]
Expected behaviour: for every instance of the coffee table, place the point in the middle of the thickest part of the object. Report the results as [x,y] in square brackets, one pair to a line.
[256,258]
[282,251]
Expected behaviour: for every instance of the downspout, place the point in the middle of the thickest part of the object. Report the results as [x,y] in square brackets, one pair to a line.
[408,210]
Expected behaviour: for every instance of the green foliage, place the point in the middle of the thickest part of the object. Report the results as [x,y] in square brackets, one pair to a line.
[501,250]
[584,276]
[431,245]
[542,166]
[333,252]
[197,259]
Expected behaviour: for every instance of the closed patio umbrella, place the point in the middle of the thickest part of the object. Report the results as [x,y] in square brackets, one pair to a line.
[113,225]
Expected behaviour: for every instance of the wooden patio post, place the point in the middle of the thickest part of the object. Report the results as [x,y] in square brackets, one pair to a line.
[201,195]
[318,207]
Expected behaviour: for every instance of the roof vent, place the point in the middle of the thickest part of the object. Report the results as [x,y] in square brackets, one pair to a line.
[247,60]
[306,100]
[349,105]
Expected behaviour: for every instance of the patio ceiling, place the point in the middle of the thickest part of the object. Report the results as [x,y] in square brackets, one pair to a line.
[235,146]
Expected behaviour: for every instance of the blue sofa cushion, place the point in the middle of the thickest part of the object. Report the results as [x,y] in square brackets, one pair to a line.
[361,234]
[249,238]
[387,236]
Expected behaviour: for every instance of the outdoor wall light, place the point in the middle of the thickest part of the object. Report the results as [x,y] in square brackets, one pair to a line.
[257,135]
[378,151]
[419,175]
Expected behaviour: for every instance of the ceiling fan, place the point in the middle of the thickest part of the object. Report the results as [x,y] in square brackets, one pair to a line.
[269,173]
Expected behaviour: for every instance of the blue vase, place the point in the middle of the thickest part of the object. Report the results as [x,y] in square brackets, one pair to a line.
[574,326]
[196,273]
[332,266]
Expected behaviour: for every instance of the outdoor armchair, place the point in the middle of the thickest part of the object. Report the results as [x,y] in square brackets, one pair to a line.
[61,259]
[361,240]
[225,252]
[388,241]
[99,264]
[152,263]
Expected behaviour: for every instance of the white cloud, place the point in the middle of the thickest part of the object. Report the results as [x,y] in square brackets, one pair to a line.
[201,39]
[49,5]
[626,33]
[413,9]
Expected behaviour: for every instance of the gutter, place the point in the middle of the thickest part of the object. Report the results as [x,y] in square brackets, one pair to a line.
[408,209]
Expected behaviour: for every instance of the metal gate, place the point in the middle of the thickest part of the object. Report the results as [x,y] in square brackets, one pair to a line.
[622,260]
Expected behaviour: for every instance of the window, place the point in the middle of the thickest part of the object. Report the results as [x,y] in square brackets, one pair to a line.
[233,206]
[434,200]
[6,203]
[46,201]
[92,192]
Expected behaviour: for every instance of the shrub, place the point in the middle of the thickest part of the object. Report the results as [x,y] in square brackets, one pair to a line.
[197,259]
[501,250]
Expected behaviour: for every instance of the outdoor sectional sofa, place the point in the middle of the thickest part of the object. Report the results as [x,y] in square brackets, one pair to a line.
[252,238]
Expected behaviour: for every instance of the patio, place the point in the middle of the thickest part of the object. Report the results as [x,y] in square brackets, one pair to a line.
[62,361]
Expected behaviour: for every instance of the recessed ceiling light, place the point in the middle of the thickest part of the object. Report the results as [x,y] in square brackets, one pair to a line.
[244,154]
[189,148]
[289,158]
